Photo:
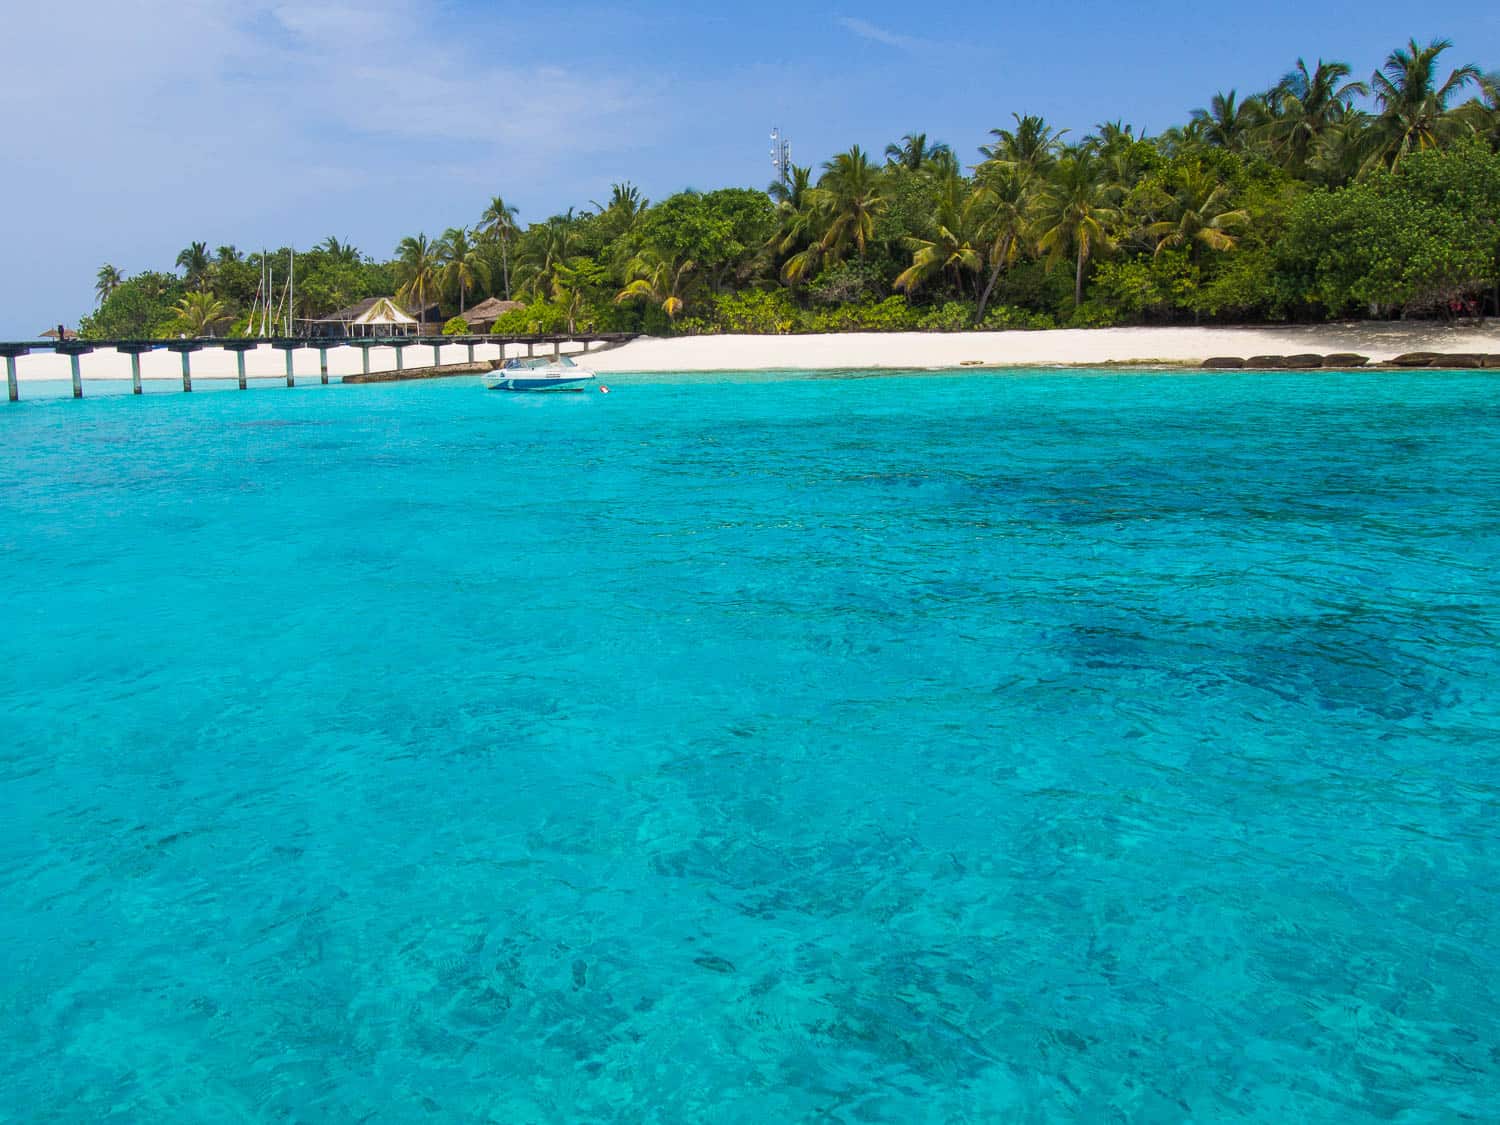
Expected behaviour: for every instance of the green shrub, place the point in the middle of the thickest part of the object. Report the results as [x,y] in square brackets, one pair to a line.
[456,326]
[893,314]
[759,311]
[950,316]
[1002,317]
[1096,314]
[1130,287]
[539,319]
[849,283]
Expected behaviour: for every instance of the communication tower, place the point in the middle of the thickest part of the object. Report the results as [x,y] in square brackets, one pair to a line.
[781,156]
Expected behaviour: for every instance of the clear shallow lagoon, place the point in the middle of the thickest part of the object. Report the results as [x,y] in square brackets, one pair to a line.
[912,749]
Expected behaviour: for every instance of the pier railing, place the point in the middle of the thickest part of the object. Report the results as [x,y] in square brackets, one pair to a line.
[75,350]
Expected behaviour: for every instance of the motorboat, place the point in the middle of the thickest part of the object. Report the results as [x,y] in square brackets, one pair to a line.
[557,373]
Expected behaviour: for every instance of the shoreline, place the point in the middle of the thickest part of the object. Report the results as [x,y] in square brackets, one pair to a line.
[1118,349]
[1110,348]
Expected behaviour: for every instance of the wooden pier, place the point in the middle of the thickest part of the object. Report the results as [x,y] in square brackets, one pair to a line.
[75,350]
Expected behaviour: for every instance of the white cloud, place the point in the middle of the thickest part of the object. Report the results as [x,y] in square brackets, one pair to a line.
[153,123]
[866,30]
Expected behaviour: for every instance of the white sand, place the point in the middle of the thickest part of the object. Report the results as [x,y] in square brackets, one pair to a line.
[1056,347]
[894,350]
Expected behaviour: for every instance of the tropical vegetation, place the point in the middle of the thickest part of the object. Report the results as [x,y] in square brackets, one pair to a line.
[1318,197]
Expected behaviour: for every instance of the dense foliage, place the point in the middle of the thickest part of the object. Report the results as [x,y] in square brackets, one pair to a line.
[1319,197]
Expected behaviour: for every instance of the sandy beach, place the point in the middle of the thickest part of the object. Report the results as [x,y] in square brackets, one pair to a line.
[889,351]
[1059,347]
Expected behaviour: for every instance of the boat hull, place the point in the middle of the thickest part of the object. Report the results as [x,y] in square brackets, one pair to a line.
[542,385]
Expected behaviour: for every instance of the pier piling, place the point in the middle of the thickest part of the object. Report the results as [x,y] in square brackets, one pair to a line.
[10,352]
[323,363]
[74,351]
[239,348]
[185,348]
[134,350]
[288,346]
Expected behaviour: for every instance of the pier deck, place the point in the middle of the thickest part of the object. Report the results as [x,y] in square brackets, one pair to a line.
[579,343]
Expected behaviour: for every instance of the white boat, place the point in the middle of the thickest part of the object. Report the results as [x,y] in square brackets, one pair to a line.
[556,374]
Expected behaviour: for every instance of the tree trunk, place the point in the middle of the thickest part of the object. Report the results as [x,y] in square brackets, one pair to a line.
[989,287]
[1078,279]
[505,263]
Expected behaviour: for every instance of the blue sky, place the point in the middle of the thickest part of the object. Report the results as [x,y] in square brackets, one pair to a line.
[136,126]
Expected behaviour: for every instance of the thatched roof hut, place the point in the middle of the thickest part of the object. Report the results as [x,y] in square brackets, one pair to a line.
[383,318]
[482,317]
[341,322]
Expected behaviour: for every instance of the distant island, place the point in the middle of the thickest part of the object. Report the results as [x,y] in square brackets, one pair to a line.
[1321,197]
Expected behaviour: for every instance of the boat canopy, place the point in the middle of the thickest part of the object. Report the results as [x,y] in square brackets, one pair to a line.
[538,363]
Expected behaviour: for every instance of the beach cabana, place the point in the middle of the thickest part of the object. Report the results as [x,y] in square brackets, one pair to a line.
[341,322]
[481,318]
[383,318]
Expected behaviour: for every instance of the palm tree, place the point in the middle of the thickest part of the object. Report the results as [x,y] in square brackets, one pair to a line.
[417,272]
[1075,210]
[913,153]
[658,279]
[199,313]
[625,208]
[1007,201]
[800,213]
[797,185]
[499,223]
[461,263]
[1414,111]
[1340,151]
[854,199]
[1483,113]
[345,253]
[225,255]
[1309,104]
[1227,122]
[194,263]
[544,251]
[1115,134]
[953,248]
[1031,146]
[107,280]
[1204,217]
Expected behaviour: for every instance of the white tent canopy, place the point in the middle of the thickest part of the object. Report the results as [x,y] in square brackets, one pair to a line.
[383,314]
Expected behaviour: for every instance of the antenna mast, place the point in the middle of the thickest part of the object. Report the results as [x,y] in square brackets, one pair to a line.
[781,156]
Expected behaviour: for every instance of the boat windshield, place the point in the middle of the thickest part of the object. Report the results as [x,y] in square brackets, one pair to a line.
[538,363]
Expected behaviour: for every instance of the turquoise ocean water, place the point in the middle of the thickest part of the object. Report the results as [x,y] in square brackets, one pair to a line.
[926,748]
